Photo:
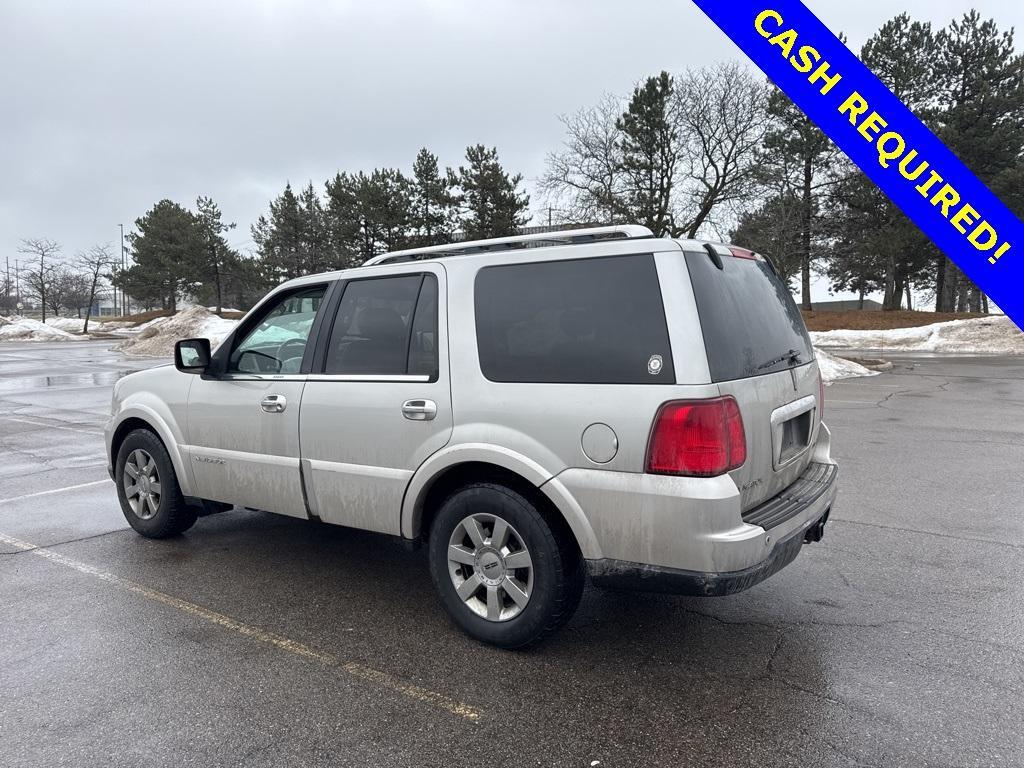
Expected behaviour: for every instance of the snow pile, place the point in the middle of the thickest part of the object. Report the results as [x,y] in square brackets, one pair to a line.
[24,329]
[983,335]
[69,324]
[156,338]
[77,324]
[835,368]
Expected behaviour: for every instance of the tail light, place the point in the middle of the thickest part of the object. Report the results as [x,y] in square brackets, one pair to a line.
[697,438]
[821,396]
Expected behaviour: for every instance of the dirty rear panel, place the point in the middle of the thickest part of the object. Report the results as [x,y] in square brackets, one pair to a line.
[759,352]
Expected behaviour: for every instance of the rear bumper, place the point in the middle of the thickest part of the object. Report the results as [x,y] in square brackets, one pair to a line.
[651,578]
[650,525]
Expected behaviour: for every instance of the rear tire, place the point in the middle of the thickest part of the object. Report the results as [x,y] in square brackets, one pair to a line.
[148,489]
[504,575]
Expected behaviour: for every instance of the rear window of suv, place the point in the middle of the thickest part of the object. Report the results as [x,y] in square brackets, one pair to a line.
[750,322]
[583,321]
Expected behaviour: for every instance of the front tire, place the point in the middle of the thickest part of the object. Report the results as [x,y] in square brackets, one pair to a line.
[148,489]
[503,574]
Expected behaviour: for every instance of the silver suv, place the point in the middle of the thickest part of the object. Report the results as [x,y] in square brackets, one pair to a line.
[535,409]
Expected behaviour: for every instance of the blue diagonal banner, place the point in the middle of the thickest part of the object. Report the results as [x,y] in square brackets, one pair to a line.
[882,136]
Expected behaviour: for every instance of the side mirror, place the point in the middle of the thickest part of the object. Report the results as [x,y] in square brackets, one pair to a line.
[192,355]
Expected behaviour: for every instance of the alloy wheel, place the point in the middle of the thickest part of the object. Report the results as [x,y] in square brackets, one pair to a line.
[141,484]
[490,567]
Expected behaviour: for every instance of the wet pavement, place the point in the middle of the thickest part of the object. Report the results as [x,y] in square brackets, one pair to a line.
[262,640]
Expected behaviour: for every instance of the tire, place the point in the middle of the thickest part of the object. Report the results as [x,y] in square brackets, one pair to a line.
[164,512]
[549,575]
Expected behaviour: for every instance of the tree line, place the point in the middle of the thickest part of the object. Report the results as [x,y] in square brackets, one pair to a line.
[720,152]
[715,152]
[178,252]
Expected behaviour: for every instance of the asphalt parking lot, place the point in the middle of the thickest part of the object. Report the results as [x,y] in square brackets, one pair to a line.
[261,640]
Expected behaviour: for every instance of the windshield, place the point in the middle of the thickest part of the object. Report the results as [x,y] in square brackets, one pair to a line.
[750,322]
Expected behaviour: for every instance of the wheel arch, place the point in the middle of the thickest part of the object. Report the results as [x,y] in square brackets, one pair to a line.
[445,472]
[140,416]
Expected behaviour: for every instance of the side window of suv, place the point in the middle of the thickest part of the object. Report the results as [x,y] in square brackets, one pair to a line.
[581,321]
[278,341]
[386,327]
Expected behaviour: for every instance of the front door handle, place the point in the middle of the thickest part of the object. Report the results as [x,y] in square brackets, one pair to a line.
[274,403]
[419,410]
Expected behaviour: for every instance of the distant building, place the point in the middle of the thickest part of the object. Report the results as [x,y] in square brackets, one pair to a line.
[870,305]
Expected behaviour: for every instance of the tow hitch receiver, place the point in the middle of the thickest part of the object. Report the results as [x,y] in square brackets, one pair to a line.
[817,531]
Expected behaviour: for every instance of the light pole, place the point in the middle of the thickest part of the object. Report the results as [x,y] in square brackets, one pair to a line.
[124,294]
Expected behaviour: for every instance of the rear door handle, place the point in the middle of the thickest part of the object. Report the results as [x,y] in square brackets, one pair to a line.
[419,410]
[274,403]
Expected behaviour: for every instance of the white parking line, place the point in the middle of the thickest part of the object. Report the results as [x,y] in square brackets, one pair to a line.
[53,426]
[56,490]
[367,674]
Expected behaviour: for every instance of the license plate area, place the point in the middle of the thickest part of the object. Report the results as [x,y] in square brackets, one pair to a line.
[796,432]
[792,425]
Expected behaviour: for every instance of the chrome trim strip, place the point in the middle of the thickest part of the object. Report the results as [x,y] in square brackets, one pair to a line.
[366,470]
[198,452]
[263,377]
[416,378]
[422,378]
[788,411]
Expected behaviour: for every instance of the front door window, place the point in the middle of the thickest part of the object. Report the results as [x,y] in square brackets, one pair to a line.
[278,342]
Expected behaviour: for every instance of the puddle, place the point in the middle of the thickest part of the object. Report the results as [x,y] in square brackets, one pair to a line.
[101,379]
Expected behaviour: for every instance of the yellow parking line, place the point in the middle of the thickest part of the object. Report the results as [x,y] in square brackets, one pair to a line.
[368,674]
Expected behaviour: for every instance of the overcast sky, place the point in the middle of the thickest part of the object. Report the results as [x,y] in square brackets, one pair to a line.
[111,106]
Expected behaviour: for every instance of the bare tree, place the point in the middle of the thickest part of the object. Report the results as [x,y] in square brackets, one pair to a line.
[60,292]
[94,264]
[722,111]
[76,285]
[40,273]
[8,299]
[584,179]
[718,122]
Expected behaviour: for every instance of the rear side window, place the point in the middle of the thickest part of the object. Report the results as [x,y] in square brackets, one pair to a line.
[750,322]
[586,321]
[385,327]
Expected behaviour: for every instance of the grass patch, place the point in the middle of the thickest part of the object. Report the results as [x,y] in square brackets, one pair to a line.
[144,317]
[855,320]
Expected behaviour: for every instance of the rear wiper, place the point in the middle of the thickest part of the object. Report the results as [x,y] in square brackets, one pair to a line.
[792,355]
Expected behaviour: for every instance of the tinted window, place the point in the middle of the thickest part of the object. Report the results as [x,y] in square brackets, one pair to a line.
[378,327]
[749,319]
[278,341]
[423,340]
[588,321]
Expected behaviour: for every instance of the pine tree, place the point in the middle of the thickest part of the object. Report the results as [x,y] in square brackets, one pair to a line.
[489,198]
[979,114]
[878,235]
[169,251]
[388,207]
[368,214]
[217,250]
[317,254]
[773,230]
[649,147]
[279,239]
[804,147]
[433,211]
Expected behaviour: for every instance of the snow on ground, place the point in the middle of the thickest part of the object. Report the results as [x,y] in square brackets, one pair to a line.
[76,324]
[25,329]
[69,324]
[156,338]
[983,335]
[835,368]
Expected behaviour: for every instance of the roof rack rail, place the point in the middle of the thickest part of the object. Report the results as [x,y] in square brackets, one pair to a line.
[562,237]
